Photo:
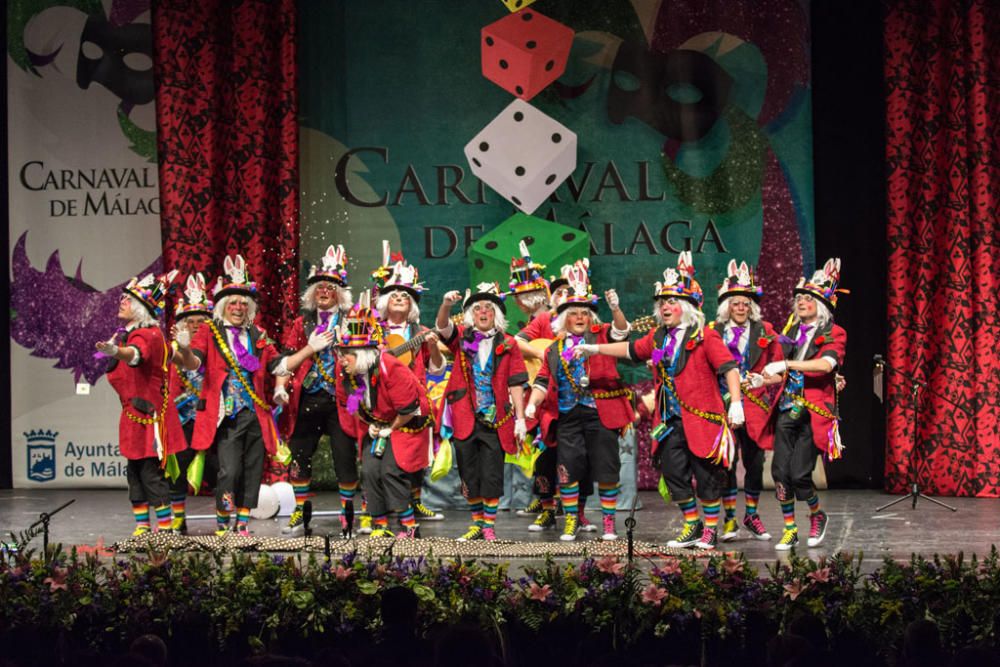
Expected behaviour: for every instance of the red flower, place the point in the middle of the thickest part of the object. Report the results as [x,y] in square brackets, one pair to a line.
[261,343]
[819,340]
[595,329]
[501,349]
[763,342]
[691,344]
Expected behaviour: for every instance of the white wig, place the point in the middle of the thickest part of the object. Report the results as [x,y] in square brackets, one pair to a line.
[499,320]
[344,296]
[559,323]
[531,302]
[382,305]
[823,314]
[722,313]
[691,317]
[141,317]
[366,357]
[219,312]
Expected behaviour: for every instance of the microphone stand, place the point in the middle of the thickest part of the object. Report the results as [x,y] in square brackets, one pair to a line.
[630,528]
[915,386]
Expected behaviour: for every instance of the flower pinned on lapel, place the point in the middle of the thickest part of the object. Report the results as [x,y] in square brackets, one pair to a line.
[764,341]
[595,328]
[819,340]
[501,348]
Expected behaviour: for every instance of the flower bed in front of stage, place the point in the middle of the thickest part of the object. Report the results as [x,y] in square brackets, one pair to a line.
[228,607]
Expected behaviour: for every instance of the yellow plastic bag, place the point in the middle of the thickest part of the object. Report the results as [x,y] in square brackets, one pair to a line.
[442,461]
[662,488]
[195,472]
[283,454]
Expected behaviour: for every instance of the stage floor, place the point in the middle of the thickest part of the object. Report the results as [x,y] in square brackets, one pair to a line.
[103,516]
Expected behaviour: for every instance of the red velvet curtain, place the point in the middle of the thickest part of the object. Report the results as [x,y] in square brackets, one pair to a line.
[943,123]
[226,107]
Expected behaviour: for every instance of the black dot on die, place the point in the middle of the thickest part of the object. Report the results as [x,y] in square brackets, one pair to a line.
[476,162]
[568,236]
[550,179]
[478,263]
[519,171]
[549,65]
[521,324]
[518,4]
[483,146]
[489,41]
[503,64]
[527,16]
[528,240]
[490,245]
[518,116]
[531,44]
[519,89]
[556,137]
[516,200]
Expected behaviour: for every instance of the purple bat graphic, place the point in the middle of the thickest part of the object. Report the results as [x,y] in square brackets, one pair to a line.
[58,317]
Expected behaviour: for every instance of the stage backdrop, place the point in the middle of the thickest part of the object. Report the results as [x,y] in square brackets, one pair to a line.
[84,217]
[390,93]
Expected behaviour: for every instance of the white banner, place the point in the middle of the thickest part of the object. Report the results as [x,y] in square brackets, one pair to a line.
[84,217]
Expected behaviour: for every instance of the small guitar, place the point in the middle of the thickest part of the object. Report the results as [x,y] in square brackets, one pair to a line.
[404,349]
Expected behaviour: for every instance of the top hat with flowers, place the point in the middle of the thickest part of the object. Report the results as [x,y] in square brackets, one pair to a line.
[577,276]
[486,292]
[197,302]
[151,291]
[396,273]
[360,326]
[823,285]
[740,280]
[235,281]
[680,283]
[525,273]
[331,268]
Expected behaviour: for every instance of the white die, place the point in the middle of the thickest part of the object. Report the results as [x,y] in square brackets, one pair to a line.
[523,154]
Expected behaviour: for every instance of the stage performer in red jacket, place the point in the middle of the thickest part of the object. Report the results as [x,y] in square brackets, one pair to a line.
[691,426]
[581,403]
[232,415]
[149,429]
[385,409]
[753,344]
[484,399]
[808,420]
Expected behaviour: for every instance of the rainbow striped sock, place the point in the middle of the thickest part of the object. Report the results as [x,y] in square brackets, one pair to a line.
[222,519]
[570,497]
[813,502]
[381,521]
[164,519]
[140,511]
[729,502]
[242,516]
[788,513]
[177,505]
[690,509]
[347,491]
[752,498]
[711,509]
[407,519]
[549,504]
[476,507]
[490,511]
[301,489]
[608,494]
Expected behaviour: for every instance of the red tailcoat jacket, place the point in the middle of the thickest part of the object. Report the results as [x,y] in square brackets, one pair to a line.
[763,347]
[540,326]
[205,346]
[140,389]
[614,413]
[394,391]
[508,371]
[699,363]
[820,388]
[296,337]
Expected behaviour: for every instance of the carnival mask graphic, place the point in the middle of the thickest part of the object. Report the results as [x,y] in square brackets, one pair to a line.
[120,58]
[680,94]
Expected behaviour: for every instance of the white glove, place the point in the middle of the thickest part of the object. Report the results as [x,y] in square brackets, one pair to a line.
[452,297]
[107,348]
[529,412]
[280,395]
[373,430]
[320,341]
[520,429]
[385,433]
[776,368]
[183,338]
[611,297]
[736,417]
[584,350]
[755,380]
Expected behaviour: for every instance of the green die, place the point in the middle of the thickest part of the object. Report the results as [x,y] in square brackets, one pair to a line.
[549,243]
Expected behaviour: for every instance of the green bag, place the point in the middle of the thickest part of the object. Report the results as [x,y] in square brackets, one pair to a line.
[195,472]
[442,461]
[662,488]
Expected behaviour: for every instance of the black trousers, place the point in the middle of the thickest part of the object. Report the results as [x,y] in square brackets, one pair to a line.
[753,462]
[387,486]
[317,417]
[240,445]
[678,464]
[545,473]
[146,483]
[794,457]
[179,486]
[480,463]
[587,451]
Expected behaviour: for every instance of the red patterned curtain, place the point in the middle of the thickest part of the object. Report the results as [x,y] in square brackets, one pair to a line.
[943,111]
[228,142]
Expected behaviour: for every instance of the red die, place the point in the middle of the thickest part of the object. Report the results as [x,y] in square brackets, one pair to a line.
[524,52]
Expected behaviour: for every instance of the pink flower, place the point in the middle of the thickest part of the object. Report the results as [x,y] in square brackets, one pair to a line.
[342,573]
[57,580]
[653,595]
[795,589]
[820,576]
[540,593]
[670,566]
[610,565]
[732,566]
